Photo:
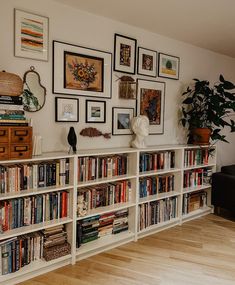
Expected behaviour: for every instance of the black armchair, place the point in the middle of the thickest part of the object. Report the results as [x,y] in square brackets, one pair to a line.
[223,189]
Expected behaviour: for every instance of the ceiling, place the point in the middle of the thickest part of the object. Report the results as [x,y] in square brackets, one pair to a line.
[208,24]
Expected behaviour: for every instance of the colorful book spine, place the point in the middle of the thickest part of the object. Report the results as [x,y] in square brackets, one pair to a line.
[196,157]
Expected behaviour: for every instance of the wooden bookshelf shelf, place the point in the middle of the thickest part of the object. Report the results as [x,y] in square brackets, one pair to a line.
[107,209]
[135,205]
[160,196]
[159,172]
[31,192]
[34,228]
[105,180]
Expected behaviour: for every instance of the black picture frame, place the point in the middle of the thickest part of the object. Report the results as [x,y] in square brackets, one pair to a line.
[66,118]
[131,45]
[116,131]
[152,85]
[150,53]
[94,121]
[58,70]
[174,62]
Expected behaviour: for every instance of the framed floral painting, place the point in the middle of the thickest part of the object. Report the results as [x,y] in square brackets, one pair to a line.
[151,102]
[81,71]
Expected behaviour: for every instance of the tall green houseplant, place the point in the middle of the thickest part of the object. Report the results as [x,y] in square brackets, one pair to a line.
[208,108]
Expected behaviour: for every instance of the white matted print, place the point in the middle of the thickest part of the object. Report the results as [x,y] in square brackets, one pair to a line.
[147,62]
[150,102]
[95,111]
[66,109]
[168,66]
[31,35]
[122,120]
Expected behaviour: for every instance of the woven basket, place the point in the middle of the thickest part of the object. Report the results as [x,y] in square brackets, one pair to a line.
[10,84]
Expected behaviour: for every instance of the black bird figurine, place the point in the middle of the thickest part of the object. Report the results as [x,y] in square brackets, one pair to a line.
[72,139]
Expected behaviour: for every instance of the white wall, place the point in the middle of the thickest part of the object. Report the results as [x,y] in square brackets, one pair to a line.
[74,26]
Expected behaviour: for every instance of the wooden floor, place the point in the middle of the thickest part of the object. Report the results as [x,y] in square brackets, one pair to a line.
[201,252]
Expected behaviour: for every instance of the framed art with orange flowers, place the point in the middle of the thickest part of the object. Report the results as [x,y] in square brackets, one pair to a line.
[81,71]
[151,102]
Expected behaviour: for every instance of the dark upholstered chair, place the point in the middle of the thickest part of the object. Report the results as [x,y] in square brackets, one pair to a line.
[223,189]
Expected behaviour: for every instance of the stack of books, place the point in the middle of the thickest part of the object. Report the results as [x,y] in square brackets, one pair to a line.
[55,243]
[87,230]
[12,112]
[120,223]
[106,224]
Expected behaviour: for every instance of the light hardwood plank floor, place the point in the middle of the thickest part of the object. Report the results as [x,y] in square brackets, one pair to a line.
[200,252]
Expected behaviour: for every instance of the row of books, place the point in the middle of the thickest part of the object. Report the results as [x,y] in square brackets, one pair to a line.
[156,160]
[27,211]
[12,111]
[20,251]
[106,194]
[157,212]
[18,177]
[193,178]
[194,201]
[156,184]
[194,157]
[91,168]
[90,229]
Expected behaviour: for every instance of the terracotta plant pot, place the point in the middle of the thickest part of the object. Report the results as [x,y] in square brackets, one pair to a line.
[201,136]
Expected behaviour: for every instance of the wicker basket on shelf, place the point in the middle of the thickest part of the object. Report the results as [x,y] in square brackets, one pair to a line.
[10,84]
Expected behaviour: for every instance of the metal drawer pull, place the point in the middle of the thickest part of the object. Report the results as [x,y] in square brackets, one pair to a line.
[3,133]
[2,149]
[21,148]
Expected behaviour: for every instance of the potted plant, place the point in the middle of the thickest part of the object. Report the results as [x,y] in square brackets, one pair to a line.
[205,110]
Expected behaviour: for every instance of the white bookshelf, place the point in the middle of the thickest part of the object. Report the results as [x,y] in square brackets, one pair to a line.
[107,242]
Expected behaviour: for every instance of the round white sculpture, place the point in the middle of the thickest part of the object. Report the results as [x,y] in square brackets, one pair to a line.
[140,126]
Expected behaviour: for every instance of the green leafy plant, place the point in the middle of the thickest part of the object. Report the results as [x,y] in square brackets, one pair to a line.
[209,107]
[30,101]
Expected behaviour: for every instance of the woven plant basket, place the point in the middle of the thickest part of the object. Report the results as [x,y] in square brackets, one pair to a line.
[10,84]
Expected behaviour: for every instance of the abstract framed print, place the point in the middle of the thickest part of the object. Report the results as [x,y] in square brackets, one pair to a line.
[31,35]
[124,54]
[66,109]
[122,120]
[147,62]
[81,71]
[95,111]
[151,103]
[168,66]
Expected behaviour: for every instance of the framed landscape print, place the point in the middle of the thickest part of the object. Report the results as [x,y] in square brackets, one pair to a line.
[81,71]
[147,62]
[124,54]
[150,102]
[122,121]
[31,35]
[66,109]
[168,66]
[95,111]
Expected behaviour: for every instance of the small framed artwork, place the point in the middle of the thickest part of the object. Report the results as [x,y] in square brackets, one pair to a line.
[147,62]
[124,54]
[150,102]
[122,120]
[31,35]
[95,111]
[81,71]
[66,109]
[168,66]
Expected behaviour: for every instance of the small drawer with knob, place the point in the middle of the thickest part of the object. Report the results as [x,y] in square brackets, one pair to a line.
[20,151]
[4,134]
[21,135]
